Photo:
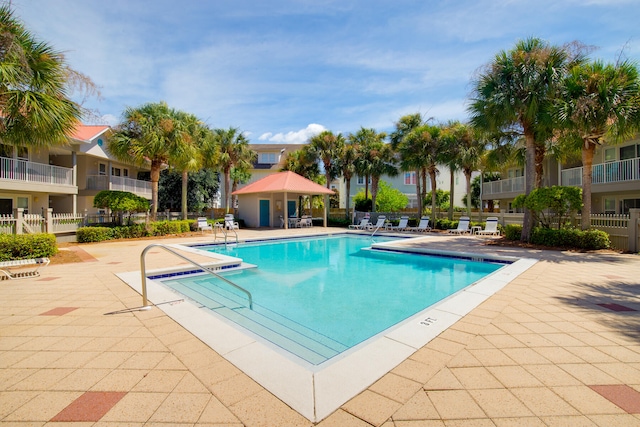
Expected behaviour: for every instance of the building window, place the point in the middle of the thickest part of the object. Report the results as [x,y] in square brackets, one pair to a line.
[102,169]
[23,202]
[610,155]
[609,206]
[116,172]
[628,152]
[409,178]
[630,204]
[6,150]
[360,180]
[23,153]
[269,158]
[125,172]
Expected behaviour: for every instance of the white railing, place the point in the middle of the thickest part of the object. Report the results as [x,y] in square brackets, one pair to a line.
[62,222]
[33,223]
[119,183]
[504,186]
[7,224]
[22,170]
[605,173]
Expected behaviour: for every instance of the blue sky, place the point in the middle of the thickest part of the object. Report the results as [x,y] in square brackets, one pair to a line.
[283,70]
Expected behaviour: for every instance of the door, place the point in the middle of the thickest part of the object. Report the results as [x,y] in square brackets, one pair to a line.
[291,208]
[6,206]
[264,214]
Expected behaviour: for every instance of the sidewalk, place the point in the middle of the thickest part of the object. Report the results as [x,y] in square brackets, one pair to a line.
[559,345]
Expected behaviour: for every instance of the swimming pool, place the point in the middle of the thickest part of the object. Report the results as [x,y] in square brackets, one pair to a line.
[318,297]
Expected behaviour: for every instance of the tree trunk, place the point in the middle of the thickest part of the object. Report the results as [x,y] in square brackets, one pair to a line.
[424,187]
[348,182]
[587,166]
[155,177]
[366,186]
[432,177]
[540,153]
[451,192]
[185,189]
[418,192]
[530,178]
[374,191]
[467,176]
[227,192]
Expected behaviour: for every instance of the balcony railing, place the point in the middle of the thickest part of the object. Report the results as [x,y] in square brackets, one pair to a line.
[504,186]
[136,186]
[22,170]
[605,173]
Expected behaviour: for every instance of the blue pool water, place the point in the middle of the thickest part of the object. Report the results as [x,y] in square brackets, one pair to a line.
[317,297]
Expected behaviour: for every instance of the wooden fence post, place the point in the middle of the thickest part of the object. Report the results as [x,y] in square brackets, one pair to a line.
[632,229]
[48,220]
[18,214]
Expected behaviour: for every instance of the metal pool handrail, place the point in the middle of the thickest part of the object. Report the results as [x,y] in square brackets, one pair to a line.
[143,270]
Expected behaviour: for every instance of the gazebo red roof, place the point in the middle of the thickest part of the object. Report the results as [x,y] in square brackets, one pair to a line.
[283,182]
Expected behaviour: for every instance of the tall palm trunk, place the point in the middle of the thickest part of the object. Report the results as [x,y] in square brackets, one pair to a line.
[227,192]
[451,192]
[529,183]
[467,176]
[423,195]
[587,172]
[418,192]
[185,189]
[432,177]
[155,178]
[366,186]
[374,191]
[540,153]
[348,183]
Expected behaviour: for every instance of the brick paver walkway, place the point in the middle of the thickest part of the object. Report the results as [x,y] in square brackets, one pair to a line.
[560,345]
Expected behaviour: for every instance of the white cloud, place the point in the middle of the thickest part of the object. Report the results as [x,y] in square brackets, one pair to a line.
[297,137]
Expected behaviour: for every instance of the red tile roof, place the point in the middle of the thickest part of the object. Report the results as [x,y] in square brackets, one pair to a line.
[281,182]
[88,132]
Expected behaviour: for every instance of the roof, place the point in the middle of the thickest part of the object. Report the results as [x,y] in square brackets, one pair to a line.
[282,149]
[289,182]
[88,132]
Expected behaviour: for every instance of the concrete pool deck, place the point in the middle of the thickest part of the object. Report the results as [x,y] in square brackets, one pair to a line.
[559,345]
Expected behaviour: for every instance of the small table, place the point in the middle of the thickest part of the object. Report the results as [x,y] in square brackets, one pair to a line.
[293,222]
[475,229]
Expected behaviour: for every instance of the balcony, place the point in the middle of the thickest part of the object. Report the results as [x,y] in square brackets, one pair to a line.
[37,173]
[119,183]
[605,173]
[511,185]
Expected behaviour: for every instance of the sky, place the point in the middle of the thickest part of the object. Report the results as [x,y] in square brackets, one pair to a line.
[281,71]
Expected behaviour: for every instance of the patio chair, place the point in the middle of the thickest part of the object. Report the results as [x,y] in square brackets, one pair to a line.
[490,228]
[423,225]
[204,225]
[364,223]
[306,221]
[379,223]
[7,268]
[463,226]
[230,223]
[403,225]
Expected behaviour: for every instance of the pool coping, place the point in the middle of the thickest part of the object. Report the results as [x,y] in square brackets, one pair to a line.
[316,393]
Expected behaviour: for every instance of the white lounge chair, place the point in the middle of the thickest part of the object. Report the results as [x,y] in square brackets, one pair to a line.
[423,225]
[204,225]
[306,221]
[230,223]
[402,225]
[364,223]
[463,226]
[490,228]
[379,223]
[7,268]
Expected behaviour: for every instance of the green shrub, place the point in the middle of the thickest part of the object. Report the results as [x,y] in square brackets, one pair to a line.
[93,234]
[25,246]
[513,231]
[595,239]
[337,222]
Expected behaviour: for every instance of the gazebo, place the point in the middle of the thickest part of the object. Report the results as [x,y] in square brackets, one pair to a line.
[264,202]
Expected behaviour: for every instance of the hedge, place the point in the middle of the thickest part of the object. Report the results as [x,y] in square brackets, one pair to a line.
[158,228]
[26,246]
[564,238]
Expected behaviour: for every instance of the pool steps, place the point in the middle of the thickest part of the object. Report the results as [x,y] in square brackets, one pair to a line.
[307,344]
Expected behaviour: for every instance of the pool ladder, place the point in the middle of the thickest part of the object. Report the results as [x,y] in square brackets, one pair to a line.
[143,270]
[225,231]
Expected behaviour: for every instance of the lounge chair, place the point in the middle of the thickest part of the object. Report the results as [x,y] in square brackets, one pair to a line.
[204,225]
[7,268]
[364,223]
[463,226]
[230,223]
[306,221]
[379,224]
[402,225]
[422,226]
[490,228]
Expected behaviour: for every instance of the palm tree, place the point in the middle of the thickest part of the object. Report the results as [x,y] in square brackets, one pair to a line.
[150,133]
[376,158]
[598,102]
[33,88]
[515,93]
[327,148]
[409,159]
[366,139]
[470,152]
[426,140]
[347,164]
[234,153]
